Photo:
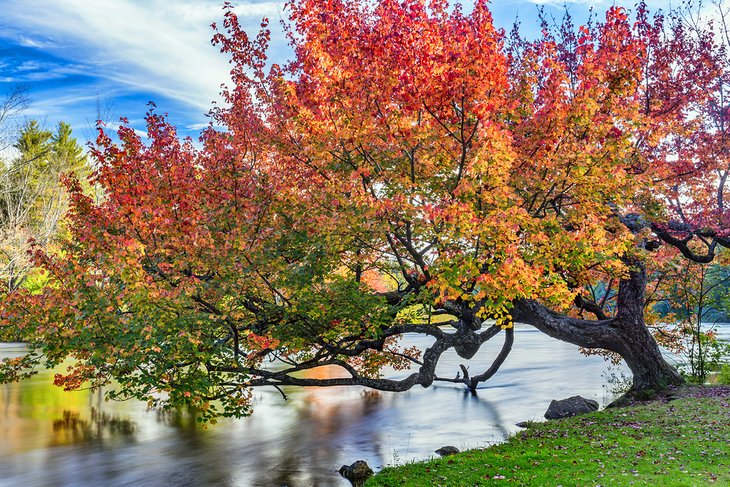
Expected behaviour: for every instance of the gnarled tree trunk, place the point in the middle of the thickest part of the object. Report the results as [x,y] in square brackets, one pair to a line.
[625,334]
[638,348]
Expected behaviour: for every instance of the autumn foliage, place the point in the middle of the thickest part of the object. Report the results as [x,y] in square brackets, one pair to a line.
[410,161]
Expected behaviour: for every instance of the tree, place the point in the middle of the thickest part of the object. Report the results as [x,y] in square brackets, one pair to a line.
[15,102]
[32,200]
[693,294]
[408,145]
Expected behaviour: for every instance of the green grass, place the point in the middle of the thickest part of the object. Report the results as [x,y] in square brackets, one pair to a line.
[684,442]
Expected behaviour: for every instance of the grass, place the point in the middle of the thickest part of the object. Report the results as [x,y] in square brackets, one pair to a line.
[682,442]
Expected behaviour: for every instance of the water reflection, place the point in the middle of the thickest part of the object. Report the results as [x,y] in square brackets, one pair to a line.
[53,438]
[72,428]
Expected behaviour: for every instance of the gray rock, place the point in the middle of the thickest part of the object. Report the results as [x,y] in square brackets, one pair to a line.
[357,472]
[447,450]
[571,406]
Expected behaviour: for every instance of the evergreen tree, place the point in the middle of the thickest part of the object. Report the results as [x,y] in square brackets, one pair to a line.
[32,199]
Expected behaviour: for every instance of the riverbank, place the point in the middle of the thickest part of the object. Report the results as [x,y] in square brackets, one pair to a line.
[681,439]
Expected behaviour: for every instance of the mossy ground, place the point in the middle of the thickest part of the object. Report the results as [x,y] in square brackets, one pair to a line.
[680,440]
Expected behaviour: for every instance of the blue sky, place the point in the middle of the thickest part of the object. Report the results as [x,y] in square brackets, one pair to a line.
[82,57]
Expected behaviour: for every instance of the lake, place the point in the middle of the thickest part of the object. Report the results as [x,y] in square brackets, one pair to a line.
[53,438]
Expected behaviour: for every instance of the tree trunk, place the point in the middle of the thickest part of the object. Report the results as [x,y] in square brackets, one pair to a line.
[651,373]
[639,349]
[626,334]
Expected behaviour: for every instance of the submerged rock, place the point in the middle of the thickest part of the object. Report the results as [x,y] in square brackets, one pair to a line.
[356,473]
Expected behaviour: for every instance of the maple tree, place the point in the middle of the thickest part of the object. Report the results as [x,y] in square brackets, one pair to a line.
[410,163]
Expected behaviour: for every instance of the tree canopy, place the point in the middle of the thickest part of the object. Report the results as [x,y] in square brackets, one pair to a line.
[32,199]
[411,162]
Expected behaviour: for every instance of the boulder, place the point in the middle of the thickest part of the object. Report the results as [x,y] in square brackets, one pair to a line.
[571,406]
[357,472]
[447,450]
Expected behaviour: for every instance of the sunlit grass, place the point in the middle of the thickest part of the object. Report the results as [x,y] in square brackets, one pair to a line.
[685,442]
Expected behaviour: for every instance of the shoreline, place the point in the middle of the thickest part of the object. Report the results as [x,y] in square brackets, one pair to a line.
[681,438]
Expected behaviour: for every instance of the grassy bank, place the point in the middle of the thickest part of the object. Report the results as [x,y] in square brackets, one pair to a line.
[684,441]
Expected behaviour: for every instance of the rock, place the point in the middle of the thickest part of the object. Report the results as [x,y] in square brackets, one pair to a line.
[525,424]
[357,472]
[447,450]
[571,406]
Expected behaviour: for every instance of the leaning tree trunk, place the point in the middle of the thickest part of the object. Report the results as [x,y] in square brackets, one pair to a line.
[638,348]
[625,334]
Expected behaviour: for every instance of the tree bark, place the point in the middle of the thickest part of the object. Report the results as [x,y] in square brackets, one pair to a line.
[625,334]
[639,349]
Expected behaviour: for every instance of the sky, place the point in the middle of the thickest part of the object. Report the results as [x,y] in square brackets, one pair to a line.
[85,59]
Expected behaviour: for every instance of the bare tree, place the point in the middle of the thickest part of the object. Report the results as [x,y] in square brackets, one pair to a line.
[16,101]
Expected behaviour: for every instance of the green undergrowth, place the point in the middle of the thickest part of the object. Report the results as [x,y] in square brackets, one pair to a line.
[684,442]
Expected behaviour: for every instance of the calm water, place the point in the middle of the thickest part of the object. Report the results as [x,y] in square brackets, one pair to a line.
[51,438]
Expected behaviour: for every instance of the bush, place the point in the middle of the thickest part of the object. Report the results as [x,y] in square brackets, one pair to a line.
[724,376]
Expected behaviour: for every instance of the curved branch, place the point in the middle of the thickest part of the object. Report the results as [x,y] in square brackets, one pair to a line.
[472,382]
[584,333]
[509,339]
[667,233]
[664,233]
[425,375]
[377,344]
[590,305]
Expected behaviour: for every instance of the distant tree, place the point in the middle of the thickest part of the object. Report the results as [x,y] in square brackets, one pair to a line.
[694,295]
[32,199]
[11,107]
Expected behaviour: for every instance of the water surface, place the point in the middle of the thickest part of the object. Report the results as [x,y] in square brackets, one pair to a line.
[53,438]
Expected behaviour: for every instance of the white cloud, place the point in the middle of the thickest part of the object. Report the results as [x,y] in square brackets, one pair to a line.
[197,126]
[602,4]
[156,46]
[26,41]
[141,134]
[54,105]
[29,66]
[567,3]
[37,70]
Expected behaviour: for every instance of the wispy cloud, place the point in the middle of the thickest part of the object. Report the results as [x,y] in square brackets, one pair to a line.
[197,126]
[30,66]
[26,41]
[126,52]
[29,71]
[155,46]
[567,3]
[601,4]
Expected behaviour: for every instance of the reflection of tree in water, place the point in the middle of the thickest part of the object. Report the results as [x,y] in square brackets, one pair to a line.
[492,412]
[309,451]
[293,472]
[72,428]
[183,420]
